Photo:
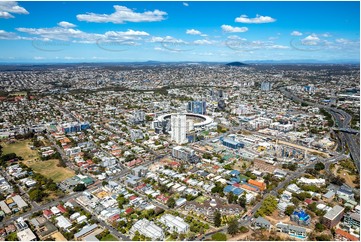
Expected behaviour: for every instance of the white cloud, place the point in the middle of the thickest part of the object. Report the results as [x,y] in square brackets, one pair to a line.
[186,4]
[39,58]
[65,24]
[8,8]
[202,42]
[78,36]
[230,29]
[193,32]
[167,39]
[326,35]
[123,14]
[257,20]
[296,33]
[343,41]
[7,35]
[311,40]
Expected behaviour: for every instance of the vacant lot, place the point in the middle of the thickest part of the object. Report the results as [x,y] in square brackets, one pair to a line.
[344,174]
[20,148]
[50,169]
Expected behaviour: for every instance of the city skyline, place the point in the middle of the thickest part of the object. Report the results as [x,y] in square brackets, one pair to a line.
[178,31]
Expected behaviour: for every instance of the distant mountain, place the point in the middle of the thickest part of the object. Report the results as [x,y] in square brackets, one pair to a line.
[236,63]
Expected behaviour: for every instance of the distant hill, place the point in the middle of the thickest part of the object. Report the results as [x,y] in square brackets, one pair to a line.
[236,64]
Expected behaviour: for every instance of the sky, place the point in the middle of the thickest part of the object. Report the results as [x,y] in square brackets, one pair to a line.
[126,31]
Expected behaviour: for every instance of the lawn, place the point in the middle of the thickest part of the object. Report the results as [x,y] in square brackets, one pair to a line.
[109,237]
[20,148]
[201,199]
[50,169]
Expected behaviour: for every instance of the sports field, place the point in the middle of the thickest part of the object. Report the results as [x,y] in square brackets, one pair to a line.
[50,169]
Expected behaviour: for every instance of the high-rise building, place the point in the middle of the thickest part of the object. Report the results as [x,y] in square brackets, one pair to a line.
[198,107]
[179,128]
[266,86]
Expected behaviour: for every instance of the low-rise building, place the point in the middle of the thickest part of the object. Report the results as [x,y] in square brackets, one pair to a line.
[85,231]
[352,220]
[294,231]
[26,235]
[148,229]
[261,223]
[173,223]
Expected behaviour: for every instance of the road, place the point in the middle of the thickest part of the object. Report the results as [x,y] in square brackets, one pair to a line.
[342,120]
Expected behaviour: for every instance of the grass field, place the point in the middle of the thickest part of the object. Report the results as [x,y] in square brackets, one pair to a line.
[109,237]
[200,199]
[20,148]
[50,169]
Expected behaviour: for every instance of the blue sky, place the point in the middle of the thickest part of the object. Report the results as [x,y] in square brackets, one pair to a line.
[178,31]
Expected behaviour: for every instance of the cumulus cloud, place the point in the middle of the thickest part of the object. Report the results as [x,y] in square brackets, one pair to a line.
[8,8]
[193,32]
[296,33]
[230,29]
[311,40]
[185,4]
[123,14]
[257,20]
[65,24]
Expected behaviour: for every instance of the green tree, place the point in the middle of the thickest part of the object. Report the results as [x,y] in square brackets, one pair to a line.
[217,219]
[36,194]
[219,237]
[79,187]
[242,201]
[243,229]
[171,202]
[12,237]
[319,166]
[233,227]
[289,210]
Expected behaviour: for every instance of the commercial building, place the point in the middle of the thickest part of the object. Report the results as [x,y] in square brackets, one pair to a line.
[333,217]
[185,154]
[179,128]
[198,107]
[74,127]
[174,224]
[148,229]
[266,86]
[231,143]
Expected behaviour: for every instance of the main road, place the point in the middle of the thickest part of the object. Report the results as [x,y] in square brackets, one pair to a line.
[342,120]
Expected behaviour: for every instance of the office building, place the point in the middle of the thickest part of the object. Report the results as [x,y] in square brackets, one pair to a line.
[179,128]
[266,86]
[231,143]
[333,217]
[185,154]
[74,127]
[198,107]
[174,224]
[138,117]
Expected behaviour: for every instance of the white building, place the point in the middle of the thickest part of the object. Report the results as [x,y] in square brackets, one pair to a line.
[319,182]
[148,229]
[26,235]
[174,224]
[179,128]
